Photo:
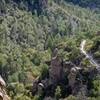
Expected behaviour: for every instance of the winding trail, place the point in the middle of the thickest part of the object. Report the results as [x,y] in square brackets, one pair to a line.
[88,56]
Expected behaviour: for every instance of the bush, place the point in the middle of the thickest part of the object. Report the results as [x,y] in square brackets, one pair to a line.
[22,97]
[71,98]
[58,92]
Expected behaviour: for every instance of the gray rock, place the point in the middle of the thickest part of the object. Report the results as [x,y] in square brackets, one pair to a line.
[55,70]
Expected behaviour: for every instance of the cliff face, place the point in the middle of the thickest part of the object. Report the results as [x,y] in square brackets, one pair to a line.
[3,94]
[55,70]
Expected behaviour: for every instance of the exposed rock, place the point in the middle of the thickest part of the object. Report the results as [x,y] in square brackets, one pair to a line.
[98,33]
[82,93]
[67,65]
[71,78]
[2,82]
[35,86]
[55,70]
[3,94]
[55,76]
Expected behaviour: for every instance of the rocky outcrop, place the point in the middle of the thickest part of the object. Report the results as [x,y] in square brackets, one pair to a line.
[55,75]
[66,74]
[35,85]
[3,94]
[56,68]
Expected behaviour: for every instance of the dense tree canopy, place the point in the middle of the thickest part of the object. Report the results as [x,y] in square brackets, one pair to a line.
[86,3]
[29,32]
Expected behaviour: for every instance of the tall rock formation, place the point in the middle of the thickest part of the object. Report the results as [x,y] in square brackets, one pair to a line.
[55,70]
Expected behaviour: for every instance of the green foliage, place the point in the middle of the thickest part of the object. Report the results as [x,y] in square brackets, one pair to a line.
[89,3]
[71,98]
[44,71]
[19,88]
[95,91]
[26,41]
[36,97]
[22,97]
[58,92]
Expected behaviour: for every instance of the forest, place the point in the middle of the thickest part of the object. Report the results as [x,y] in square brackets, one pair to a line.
[86,3]
[50,49]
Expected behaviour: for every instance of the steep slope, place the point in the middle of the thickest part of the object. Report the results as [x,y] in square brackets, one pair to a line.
[28,35]
[86,3]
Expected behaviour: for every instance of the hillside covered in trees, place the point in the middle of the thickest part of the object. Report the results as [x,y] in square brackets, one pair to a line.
[40,42]
[86,3]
